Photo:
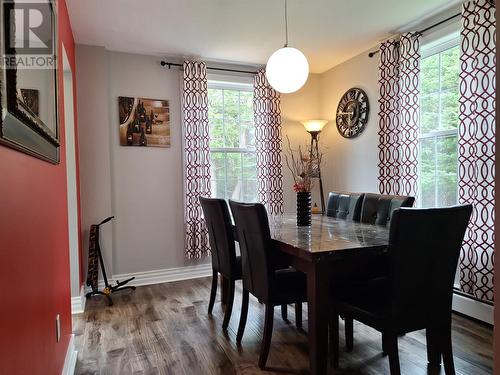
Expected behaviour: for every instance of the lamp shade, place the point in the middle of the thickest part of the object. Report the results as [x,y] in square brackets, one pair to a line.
[314,125]
[287,70]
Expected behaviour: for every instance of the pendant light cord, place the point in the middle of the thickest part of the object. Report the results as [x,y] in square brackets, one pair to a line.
[286,25]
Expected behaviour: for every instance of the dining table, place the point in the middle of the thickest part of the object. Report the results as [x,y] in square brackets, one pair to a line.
[320,250]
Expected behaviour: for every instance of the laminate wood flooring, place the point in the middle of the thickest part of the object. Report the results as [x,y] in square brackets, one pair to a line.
[165,329]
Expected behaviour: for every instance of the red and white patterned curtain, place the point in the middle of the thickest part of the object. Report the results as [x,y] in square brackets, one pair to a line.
[196,156]
[267,115]
[399,85]
[476,145]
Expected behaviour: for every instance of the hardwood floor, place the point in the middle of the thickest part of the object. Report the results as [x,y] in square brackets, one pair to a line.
[165,329]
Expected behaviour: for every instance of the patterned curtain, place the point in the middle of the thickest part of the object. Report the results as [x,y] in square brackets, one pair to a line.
[196,156]
[399,74]
[476,145]
[267,114]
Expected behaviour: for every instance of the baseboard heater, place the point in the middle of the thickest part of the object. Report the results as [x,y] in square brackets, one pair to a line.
[472,306]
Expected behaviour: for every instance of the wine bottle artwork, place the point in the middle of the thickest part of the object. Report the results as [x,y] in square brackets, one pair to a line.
[130,135]
[143,141]
[144,122]
[149,123]
[141,112]
[137,125]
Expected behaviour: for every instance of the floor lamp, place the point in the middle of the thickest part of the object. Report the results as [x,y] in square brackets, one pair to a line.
[314,127]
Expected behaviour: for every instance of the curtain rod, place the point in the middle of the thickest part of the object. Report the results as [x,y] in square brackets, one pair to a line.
[421,32]
[169,65]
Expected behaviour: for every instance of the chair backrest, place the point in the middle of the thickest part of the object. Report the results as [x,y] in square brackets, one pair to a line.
[220,234]
[252,227]
[344,205]
[424,246]
[377,208]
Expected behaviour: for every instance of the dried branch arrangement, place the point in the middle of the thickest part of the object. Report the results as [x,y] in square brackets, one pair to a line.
[303,165]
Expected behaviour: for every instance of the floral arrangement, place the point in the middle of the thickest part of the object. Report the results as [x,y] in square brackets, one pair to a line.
[304,167]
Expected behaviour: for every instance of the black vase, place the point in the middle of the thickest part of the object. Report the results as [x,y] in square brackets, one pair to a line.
[304,208]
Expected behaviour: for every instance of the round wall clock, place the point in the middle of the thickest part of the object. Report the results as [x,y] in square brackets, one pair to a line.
[352,113]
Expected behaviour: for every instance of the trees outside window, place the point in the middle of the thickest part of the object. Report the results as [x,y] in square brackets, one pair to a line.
[232,141]
[439,119]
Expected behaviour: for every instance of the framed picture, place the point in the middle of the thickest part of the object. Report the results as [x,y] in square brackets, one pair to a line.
[28,75]
[144,122]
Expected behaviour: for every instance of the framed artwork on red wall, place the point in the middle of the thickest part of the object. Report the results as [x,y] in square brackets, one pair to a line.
[28,78]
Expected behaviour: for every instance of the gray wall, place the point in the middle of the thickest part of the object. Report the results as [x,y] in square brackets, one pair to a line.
[352,163]
[147,183]
[142,187]
[93,141]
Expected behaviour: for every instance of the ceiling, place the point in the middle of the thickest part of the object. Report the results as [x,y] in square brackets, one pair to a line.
[244,31]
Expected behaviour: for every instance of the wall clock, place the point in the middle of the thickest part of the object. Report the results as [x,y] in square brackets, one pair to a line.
[352,113]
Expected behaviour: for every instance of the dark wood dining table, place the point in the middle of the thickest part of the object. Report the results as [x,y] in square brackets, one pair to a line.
[318,251]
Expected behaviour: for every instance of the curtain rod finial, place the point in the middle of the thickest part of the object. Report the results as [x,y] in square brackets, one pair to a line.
[167,64]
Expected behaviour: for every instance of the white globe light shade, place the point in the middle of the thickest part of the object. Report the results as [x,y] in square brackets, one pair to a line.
[287,70]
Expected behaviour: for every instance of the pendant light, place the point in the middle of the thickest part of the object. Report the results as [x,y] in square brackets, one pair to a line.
[287,69]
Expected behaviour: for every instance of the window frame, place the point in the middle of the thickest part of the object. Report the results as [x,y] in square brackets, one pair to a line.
[233,84]
[429,49]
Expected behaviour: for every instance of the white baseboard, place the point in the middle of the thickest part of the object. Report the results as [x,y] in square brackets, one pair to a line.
[70,359]
[163,275]
[78,302]
[473,308]
[166,275]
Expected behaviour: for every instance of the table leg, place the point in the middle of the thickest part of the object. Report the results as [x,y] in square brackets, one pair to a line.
[318,290]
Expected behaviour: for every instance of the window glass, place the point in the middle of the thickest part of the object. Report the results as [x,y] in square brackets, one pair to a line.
[439,106]
[232,142]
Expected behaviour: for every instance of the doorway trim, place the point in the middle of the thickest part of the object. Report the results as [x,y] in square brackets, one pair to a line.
[77,296]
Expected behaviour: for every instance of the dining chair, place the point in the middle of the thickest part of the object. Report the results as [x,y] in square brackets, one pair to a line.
[262,275]
[424,247]
[378,208]
[224,259]
[344,205]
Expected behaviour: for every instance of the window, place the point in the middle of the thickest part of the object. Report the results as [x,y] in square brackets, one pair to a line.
[232,141]
[439,106]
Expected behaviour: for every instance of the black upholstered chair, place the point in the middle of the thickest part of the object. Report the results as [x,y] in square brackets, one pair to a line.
[224,259]
[377,208]
[424,247]
[344,205]
[261,274]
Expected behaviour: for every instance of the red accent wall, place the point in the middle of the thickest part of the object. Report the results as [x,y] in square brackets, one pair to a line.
[34,258]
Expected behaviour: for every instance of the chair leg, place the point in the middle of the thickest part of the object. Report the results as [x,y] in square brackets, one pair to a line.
[392,348]
[298,314]
[266,340]
[229,304]
[447,351]
[224,289]
[334,340]
[384,344]
[243,317]
[433,349]
[284,313]
[349,333]
[213,291]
